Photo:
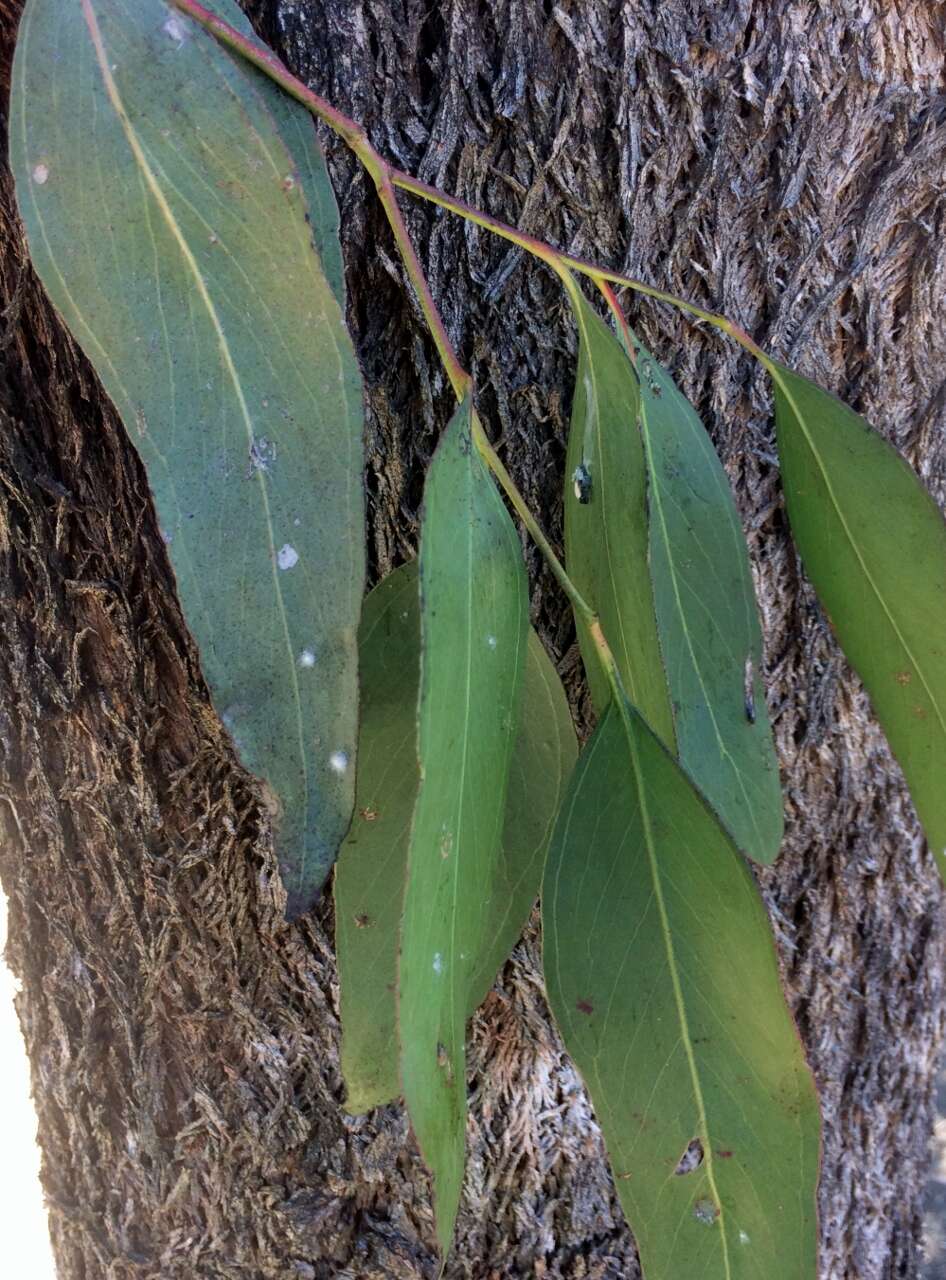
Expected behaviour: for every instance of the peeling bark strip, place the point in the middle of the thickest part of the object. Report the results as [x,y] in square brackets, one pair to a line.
[183,1038]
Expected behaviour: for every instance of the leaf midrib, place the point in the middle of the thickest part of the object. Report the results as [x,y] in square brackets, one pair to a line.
[600,480]
[655,491]
[676,984]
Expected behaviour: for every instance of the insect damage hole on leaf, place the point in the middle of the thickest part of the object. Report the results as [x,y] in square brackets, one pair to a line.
[691,1159]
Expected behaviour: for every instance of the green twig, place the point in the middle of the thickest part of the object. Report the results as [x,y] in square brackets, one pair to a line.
[386,178]
[387,175]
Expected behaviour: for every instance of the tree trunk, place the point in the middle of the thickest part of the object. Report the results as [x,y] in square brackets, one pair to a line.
[780,161]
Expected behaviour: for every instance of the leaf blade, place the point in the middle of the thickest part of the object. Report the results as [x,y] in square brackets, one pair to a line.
[369,877]
[681,984]
[873,543]
[707,618]
[185,268]
[606,535]
[474,626]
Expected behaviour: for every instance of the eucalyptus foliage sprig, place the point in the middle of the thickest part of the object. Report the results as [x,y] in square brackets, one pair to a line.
[180,216]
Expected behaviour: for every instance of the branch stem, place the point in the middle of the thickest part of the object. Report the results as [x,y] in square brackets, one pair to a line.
[388,176]
[386,179]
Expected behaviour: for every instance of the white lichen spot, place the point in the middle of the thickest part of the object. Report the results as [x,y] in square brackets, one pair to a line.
[297,522]
[446,841]
[287,557]
[41,174]
[175,29]
[214,238]
[338,761]
[743,1238]
[491,642]
[306,658]
[438,964]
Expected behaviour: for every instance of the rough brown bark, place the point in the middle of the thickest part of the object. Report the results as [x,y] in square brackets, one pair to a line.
[779,160]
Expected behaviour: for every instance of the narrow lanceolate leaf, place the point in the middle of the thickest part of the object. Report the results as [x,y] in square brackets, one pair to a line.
[369,878]
[297,130]
[170,226]
[662,976]
[706,618]
[873,542]
[473,642]
[606,533]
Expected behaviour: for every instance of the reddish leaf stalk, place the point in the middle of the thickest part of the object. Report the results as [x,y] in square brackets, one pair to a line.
[386,178]
[386,174]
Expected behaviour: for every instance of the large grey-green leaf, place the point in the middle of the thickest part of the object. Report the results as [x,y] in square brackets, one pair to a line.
[473,642]
[168,222]
[662,977]
[369,877]
[706,618]
[606,529]
[873,543]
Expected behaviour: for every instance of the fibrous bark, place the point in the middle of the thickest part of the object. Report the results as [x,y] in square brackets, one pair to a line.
[783,162]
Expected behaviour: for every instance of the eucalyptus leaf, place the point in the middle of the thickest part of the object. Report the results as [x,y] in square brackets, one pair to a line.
[297,130]
[707,619]
[662,977]
[171,228]
[369,877]
[606,526]
[474,631]
[873,543]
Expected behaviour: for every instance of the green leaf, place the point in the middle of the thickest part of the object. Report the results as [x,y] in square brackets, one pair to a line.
[662,977]
[369,877]
[168,223]
[473,641]
[707,618]
[606,528]
[873,543]
[297,130]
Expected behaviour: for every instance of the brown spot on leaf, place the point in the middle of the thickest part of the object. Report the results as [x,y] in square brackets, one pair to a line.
[362,921]
[369,814]
[724,1155]
[904,677]
[584,1006]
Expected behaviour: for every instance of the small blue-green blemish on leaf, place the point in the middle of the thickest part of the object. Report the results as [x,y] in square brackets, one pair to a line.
[706,1212]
